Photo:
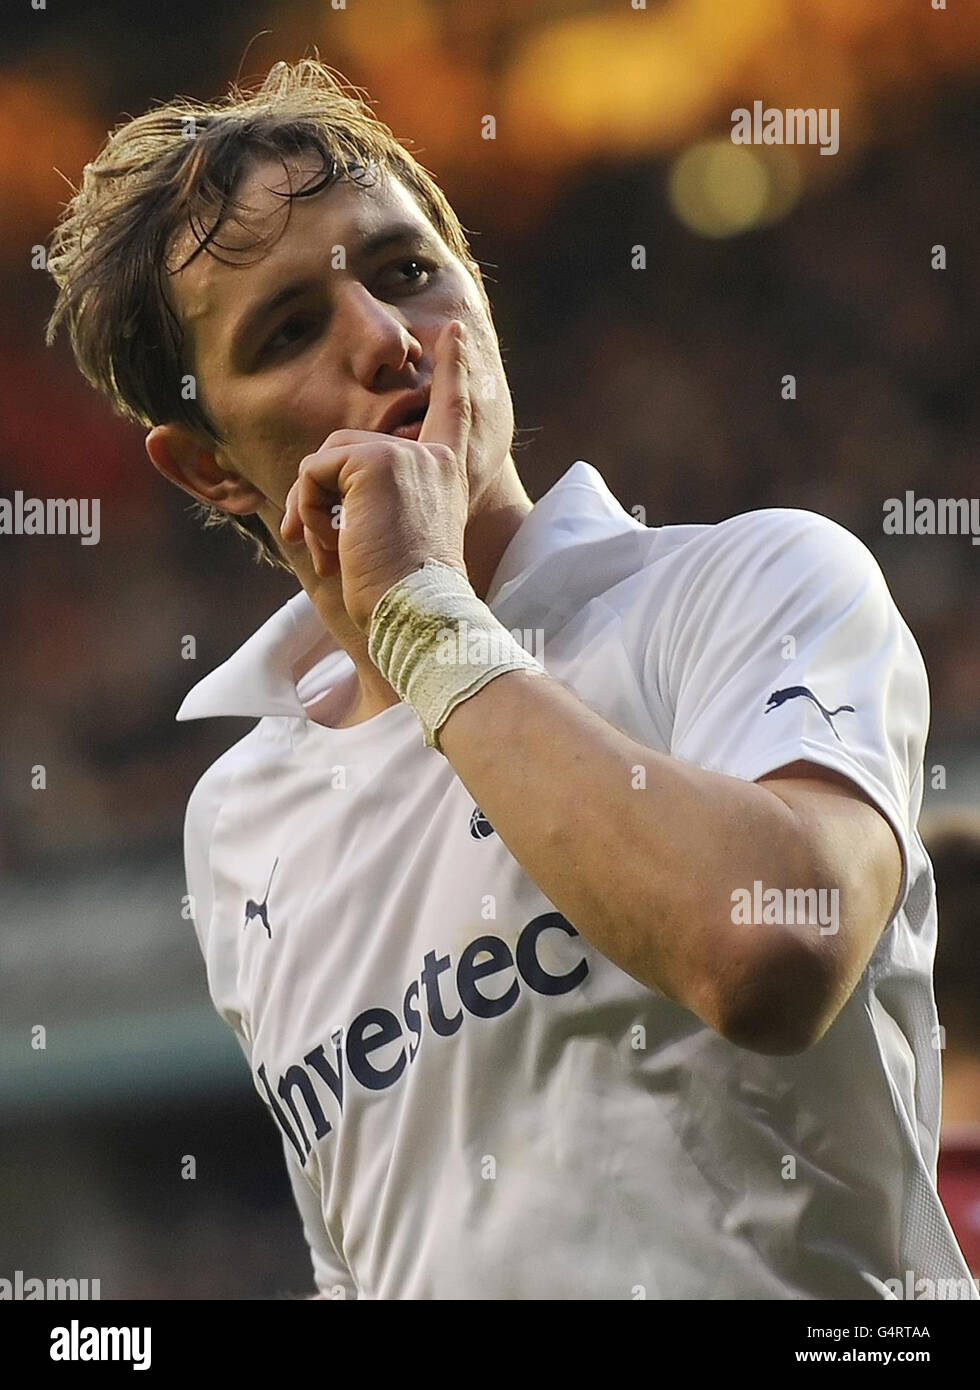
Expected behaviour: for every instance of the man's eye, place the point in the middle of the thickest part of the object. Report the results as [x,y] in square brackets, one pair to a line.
[288,333]
[416,267]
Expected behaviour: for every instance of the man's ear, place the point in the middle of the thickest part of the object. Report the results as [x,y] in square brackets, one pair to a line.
[182,458]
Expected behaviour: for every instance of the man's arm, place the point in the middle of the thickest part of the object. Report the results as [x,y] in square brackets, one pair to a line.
[647,875]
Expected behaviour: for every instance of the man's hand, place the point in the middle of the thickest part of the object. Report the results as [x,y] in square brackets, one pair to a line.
[403,500]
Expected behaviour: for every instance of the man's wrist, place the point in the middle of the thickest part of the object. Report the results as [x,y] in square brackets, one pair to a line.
[437,644]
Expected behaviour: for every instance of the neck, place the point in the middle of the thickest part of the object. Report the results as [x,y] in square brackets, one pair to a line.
[495,516]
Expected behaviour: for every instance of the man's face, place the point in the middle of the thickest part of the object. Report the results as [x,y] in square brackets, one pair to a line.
[328,327]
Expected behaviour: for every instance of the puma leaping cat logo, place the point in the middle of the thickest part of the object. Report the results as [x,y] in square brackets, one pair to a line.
[792,692]
[260,910]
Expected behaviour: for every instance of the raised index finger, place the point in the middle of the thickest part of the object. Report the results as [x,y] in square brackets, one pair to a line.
[447,420]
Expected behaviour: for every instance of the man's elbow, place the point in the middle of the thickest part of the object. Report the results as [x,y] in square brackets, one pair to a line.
[784,1002]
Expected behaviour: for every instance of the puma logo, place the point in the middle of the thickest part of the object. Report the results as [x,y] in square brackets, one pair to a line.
[260,910]
[480,827]
[793,692]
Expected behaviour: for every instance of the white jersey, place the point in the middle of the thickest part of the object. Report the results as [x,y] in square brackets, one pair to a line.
[474,1102]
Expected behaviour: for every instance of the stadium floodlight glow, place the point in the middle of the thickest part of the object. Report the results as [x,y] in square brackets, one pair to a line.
[718,189]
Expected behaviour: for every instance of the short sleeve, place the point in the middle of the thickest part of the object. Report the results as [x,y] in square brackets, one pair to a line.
[788,646]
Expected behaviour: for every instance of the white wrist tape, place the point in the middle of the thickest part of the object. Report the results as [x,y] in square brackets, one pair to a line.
[421,638]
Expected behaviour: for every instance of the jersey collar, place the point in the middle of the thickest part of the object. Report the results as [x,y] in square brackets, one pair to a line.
[542,579]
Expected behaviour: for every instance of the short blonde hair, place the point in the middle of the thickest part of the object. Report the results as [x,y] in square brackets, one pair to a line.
[175,169]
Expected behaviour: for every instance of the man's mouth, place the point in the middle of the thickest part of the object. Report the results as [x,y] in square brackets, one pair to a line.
[412,428]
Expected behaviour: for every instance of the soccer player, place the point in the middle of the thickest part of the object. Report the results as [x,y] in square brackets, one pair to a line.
[566,898]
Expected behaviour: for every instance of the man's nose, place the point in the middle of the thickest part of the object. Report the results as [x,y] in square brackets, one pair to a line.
[377,334]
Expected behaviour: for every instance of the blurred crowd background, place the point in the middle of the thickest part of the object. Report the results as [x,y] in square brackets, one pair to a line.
[612,133]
